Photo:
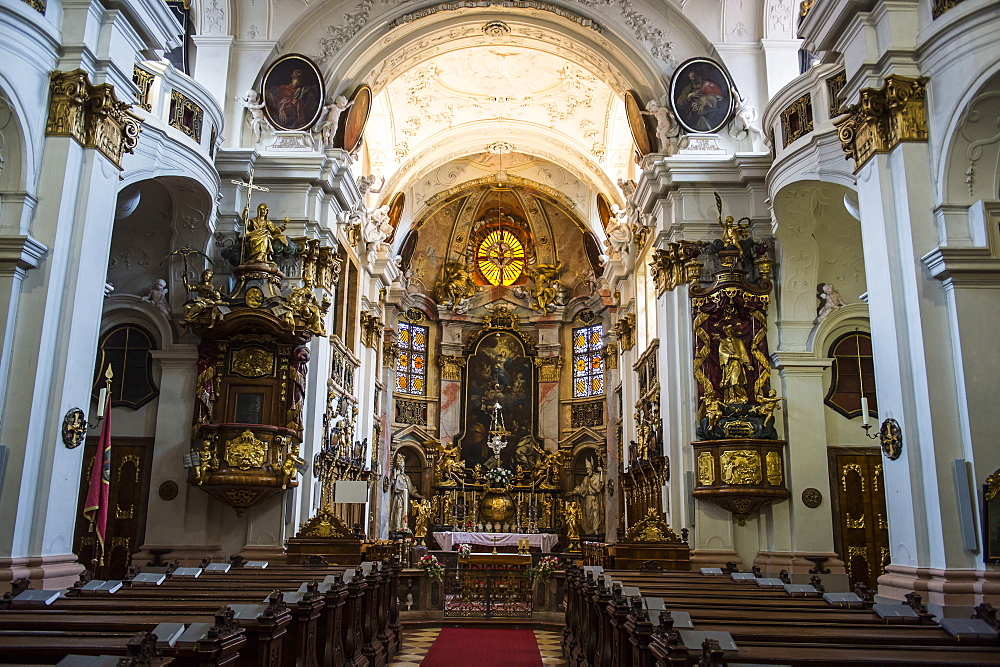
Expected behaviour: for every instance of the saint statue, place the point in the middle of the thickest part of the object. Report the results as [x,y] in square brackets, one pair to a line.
[260,237]
[591,493]
[733,360]
[207,299]
[402,489]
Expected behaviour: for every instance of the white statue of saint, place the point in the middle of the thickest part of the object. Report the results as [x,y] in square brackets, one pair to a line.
[591,492]
[619,233]
[157,296]
[667,128]
[258,122]
[329,126]
[830,300]
[402,489]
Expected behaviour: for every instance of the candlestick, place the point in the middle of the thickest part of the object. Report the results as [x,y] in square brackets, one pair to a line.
[102,402]
[864,411]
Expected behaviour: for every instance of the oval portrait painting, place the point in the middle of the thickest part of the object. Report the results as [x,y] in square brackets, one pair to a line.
[701,95]
[293,93]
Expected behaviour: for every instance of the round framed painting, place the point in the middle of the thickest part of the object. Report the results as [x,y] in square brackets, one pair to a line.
[396,212]
[701,96]
[357,117]
[637,124]
[293,93]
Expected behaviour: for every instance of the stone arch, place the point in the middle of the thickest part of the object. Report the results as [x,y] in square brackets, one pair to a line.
[131,309]
[18,163]
[817,240]
[970,170]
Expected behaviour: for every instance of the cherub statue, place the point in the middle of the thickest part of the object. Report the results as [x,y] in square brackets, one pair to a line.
[546,278]
[713,409]
[302,301]
[334,110]
[207,298]
[456,285]
[733,232]
[157,296]
[830,300]
[290,466]
[766,405]
[744,123]
[258,121]
[667,128]
[206,462]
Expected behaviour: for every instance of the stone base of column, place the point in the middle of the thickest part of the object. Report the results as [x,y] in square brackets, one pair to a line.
[713,558]
[948,593]
[271,553]
[44,572]
[801,565]
[188,555]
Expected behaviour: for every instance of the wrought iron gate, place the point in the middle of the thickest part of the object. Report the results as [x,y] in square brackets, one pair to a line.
[496,593]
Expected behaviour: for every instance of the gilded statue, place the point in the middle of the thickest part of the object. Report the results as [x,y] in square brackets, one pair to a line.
[448,465]
[206,461]
[733,361]
[302,301]
[572,515]
[260,237]
[546,473]
[290,466]
[712,407]
[422,511]
[733,232]
[767,405]
[546,278]
[207,299]
[455,287]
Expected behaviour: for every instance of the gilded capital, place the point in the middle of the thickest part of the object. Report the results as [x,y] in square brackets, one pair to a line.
[91,115]
[548,368]
[451,366]
[882,119]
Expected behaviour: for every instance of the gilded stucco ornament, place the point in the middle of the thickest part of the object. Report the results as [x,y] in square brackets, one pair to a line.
[883,118]
[625,331]
[91,115]
[651,528]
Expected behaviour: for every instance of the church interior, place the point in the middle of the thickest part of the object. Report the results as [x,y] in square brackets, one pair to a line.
[499,332]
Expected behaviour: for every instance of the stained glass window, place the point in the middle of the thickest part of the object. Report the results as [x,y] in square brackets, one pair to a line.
[411,365]
[588,362]
[500,257]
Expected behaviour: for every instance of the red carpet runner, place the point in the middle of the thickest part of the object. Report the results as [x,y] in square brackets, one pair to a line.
[475,647]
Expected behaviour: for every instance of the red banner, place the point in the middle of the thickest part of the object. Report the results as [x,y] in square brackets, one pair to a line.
[96,508]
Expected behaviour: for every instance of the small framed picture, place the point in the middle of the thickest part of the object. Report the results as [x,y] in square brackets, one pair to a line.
[991,519]
[293,93]
[702,96]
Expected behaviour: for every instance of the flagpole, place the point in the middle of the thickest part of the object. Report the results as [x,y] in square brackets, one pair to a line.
[96,508]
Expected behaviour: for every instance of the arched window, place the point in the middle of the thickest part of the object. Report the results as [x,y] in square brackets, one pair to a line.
[411,365]
[127,348]
[853,375]
[588,363]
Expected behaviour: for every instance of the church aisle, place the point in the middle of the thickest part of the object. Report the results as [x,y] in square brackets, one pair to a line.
[477,646]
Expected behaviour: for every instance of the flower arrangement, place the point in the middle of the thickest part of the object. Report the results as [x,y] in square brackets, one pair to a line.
[499,476]
[431,566]
[546,566]
[464,551]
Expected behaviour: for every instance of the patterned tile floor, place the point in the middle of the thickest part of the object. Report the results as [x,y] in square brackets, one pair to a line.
[416,642]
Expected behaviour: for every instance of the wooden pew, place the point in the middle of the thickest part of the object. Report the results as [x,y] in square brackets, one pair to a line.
[221,646]
[807,632]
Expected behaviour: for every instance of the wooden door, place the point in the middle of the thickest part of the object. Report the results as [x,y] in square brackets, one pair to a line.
[861,528]
[128,497]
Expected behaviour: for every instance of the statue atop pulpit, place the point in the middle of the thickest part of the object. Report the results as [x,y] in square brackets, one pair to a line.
[261,236]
